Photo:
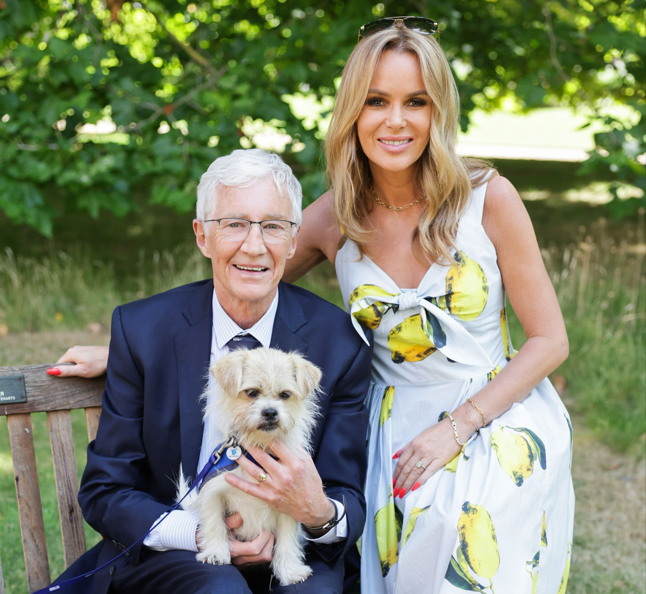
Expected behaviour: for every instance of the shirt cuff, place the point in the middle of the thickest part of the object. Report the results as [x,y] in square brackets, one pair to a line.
[177,531]
[339,532]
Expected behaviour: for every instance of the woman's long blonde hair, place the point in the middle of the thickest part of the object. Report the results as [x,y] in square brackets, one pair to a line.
[445,178]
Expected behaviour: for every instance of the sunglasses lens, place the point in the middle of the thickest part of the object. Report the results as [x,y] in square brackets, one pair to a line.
[374,27]
[421,25]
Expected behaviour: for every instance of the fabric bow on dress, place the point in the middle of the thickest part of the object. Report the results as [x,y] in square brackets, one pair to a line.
[419,335]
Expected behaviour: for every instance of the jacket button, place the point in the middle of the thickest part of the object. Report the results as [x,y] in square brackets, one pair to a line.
[112,569]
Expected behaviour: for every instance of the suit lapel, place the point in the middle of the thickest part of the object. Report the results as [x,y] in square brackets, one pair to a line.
[193,352]
[289,318]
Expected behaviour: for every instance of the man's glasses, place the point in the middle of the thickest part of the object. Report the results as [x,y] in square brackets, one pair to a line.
[417,24]
[273,231]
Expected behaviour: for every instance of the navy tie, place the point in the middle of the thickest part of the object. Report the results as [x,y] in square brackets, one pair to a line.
[243,341]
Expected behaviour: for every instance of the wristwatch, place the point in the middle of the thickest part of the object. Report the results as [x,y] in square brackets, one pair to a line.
[334,521]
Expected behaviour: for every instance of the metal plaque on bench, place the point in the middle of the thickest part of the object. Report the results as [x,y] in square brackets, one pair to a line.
[12,389]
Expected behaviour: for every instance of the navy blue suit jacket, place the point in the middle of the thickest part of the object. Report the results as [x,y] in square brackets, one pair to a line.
[152,419]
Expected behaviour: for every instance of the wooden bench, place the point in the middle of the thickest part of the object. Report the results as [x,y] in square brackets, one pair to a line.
[56,397]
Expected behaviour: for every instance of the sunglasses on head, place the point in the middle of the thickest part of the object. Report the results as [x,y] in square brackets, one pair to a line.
[417,24]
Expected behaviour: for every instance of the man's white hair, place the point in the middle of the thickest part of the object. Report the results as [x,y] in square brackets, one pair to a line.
[244,168]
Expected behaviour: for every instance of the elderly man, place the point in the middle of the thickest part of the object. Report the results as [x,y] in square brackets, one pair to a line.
[248,215]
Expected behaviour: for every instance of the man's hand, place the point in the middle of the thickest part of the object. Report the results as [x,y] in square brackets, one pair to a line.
[257,551]
[90,361]
[293,485]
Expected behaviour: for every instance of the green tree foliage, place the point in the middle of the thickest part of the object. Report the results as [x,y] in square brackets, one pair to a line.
[183,82]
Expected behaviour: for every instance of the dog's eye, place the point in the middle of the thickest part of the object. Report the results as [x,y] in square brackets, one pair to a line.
[284,395]
[252,393]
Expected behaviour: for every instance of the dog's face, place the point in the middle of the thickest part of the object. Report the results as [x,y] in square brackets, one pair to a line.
[266,394]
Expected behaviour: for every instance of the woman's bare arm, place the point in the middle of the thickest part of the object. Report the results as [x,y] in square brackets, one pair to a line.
[533,299]
[318,239]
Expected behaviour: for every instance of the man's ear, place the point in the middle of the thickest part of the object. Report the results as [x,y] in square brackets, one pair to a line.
[228,371]
[292,247]
[200,237]
[307,375]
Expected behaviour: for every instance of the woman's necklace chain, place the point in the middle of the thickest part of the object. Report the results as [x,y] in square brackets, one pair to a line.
[395,207]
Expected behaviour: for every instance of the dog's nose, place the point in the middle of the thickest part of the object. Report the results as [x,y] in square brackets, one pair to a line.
[270,414]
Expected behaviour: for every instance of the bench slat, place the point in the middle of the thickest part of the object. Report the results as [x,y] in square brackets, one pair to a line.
[92,416]
[47,393]
[67,484]
[30,508]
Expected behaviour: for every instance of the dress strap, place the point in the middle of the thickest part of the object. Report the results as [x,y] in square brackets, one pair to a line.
[476,207]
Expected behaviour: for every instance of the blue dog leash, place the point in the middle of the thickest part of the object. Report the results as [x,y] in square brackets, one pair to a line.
[216,464]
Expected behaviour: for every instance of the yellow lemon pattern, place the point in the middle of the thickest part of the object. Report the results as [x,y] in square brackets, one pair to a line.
[388,526]
[467,289]
[494,372]
[408,341]
[517,449]
[532,566]
[566,573]
[412,520]
[370,314]
[387,405]
[477,552]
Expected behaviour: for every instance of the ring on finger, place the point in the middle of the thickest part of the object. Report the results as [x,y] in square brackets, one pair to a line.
[420,465]
[262,478]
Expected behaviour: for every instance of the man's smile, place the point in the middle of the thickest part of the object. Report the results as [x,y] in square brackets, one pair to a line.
[251,268]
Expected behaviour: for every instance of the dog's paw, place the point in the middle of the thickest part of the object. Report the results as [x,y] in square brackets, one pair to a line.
[214,557]
[294,575]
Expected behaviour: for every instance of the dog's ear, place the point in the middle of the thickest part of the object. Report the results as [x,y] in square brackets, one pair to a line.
[307,374]
[228,371]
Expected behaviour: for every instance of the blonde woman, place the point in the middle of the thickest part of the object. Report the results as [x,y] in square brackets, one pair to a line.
[469,446]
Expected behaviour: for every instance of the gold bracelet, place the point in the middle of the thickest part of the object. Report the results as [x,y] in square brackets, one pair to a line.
[484,420]
[455,430]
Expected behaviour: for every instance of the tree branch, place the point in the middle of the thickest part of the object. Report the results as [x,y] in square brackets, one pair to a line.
[198,58]
[555,59]
[209,82]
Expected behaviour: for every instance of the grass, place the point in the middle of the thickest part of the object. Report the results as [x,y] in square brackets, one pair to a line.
[600,285]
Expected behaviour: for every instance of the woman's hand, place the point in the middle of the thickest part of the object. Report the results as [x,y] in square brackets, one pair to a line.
[89,361]
[434,448]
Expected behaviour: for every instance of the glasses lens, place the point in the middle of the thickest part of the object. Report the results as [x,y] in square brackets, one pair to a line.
[234,229]
[275,230]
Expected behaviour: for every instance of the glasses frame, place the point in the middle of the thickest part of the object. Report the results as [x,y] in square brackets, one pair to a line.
[365,29]
[259,223]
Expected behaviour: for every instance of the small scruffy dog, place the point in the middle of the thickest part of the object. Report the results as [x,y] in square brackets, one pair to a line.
[264,394]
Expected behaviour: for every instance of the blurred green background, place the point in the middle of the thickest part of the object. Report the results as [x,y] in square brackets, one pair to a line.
[110,111]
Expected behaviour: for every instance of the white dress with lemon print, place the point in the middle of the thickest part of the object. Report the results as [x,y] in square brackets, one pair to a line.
[498,519]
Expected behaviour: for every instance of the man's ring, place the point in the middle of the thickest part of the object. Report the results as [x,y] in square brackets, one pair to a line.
[262,478]
[420,465]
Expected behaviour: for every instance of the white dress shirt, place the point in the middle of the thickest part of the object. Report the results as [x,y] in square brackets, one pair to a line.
[178,530]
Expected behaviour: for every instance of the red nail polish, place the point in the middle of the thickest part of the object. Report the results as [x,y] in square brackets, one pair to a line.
[394,482]
[54,371]
[395,493]
[416,486]
[402,493]
[397,454]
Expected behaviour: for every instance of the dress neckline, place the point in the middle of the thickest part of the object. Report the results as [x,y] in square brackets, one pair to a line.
[435,266]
